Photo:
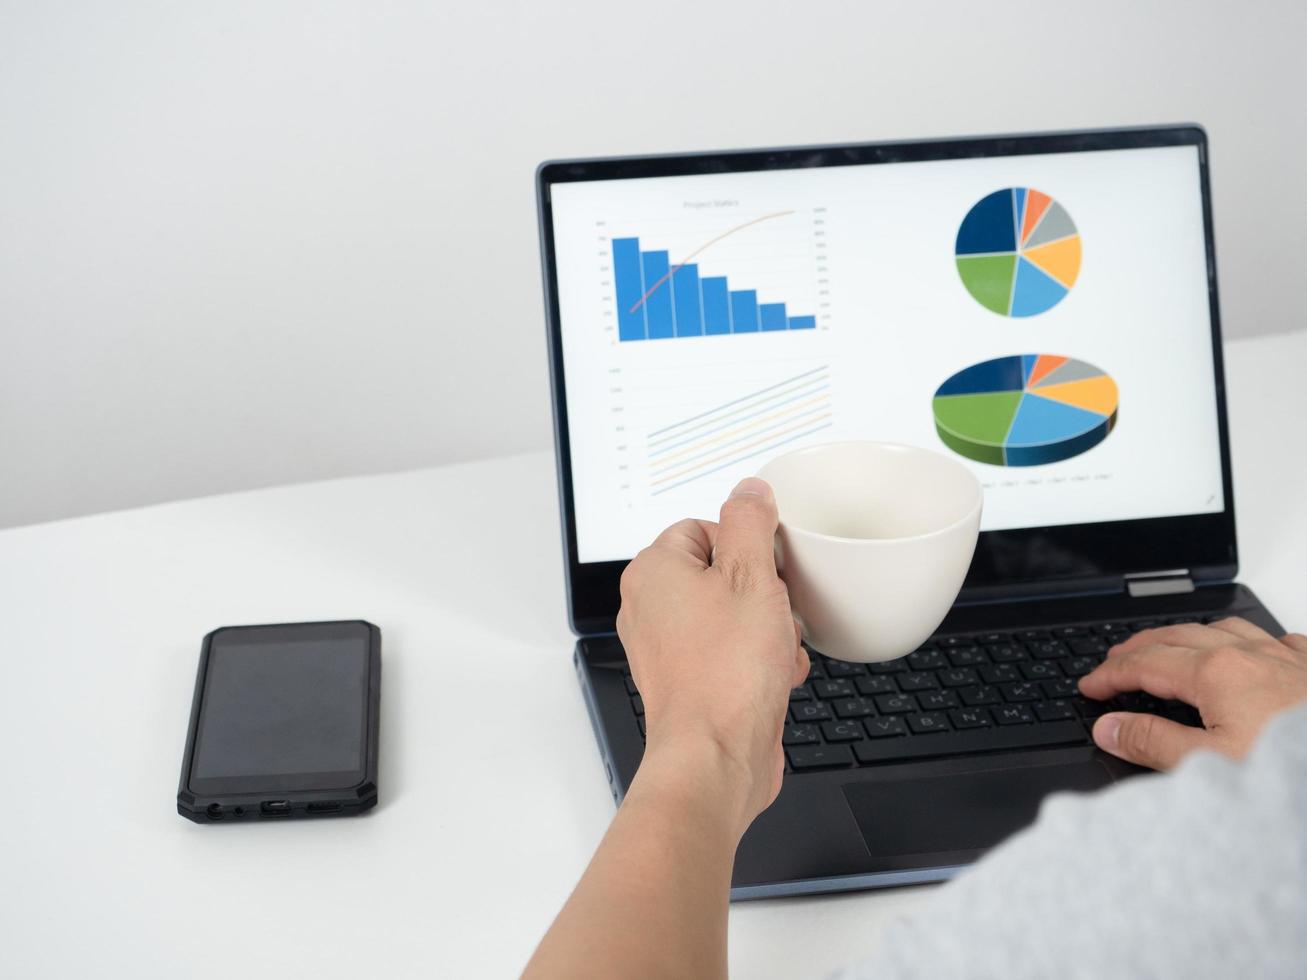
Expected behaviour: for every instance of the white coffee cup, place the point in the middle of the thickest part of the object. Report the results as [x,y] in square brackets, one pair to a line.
[874,542]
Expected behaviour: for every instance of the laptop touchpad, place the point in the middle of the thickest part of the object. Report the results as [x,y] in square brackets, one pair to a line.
[962,811]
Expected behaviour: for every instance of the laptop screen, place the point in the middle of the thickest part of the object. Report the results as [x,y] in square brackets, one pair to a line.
[1043,318]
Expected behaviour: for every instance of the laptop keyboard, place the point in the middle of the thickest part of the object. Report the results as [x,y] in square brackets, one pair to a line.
[957,695]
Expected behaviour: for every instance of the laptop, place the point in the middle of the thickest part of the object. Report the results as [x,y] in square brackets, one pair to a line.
[1041,307]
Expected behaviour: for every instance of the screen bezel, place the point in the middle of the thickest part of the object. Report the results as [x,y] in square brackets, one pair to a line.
[1020,562]
[354,631]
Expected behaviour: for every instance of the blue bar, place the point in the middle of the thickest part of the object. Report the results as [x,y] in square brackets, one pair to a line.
[803,323]
[744,311]
[685,292]
[626,279]
[716,305]
[772,316]
[658,305]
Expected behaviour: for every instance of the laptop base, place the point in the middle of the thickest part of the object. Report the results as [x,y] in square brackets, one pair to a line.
[862,816]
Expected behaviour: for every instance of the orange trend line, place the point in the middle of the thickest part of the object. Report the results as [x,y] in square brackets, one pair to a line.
[703,247]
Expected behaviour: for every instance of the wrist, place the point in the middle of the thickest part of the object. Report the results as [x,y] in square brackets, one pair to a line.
[695,774]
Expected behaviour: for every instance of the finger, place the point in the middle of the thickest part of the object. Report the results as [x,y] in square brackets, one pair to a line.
[1147,740]
[801,666]
[1144,638]
[1162,671]
[1241,628]
[689,537]
[747,530]
[1296,642]
[1194,635]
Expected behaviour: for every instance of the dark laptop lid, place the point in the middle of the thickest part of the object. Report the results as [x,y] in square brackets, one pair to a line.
[1043,307]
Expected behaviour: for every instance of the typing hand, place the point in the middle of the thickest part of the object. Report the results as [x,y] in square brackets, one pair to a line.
[1236,674]
[713,646]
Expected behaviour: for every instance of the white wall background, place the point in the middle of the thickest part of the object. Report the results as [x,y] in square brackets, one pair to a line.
[244,244]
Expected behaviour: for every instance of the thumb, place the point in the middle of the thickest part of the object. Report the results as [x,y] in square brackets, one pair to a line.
[747,529]
[1147,740]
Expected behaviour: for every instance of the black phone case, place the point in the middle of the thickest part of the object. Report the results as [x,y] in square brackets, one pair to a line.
[287,805]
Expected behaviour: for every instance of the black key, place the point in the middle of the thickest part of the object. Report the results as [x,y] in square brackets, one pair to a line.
[927,660]
[1063,687]
[630,685]
[953,642]
[985,694]
[637,703]
[931,721]
[1032,635]
[801,735]
[1002,653]
[1022,691]
[991,638]
[970,718]
[838,668]
[1013,714]
[1145,624]
[1054,710]
[890,666]
[854,708]
[1080,666]
[641,721]
[842,731]
[917,681]
[885,727]
[1182,713]
[1106,628]
[800,693]
[1136,701]
[1044,649]
[819,756]
[1088,644]
[875,685]
[963,743]
[816,670]
[1040,670]
[967,656]
[1066,631]
[840,688]
[809,711]
[999,673]
[959,677]
[935,700]
[1089,708]
[893,704]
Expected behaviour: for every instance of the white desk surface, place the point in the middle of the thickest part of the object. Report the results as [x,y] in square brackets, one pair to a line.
[492,796]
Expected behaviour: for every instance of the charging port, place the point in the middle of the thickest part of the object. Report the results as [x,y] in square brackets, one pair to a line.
[275,808]
[323,808]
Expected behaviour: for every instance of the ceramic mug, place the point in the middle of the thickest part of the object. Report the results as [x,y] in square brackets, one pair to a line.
[874,542]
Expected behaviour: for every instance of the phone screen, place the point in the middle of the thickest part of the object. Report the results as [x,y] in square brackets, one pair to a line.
[283,706]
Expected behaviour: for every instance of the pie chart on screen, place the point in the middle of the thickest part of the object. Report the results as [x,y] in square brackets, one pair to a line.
[1025,409]
[1018,252]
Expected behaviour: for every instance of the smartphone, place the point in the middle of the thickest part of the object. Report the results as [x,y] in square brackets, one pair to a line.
[284,723]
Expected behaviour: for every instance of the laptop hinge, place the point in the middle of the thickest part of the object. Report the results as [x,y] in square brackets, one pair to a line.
[1177,581]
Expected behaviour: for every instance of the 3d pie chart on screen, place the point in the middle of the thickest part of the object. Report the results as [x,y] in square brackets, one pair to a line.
[1025,409]
[1018,252]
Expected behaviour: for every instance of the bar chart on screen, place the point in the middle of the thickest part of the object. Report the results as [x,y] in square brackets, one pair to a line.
[705,276]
